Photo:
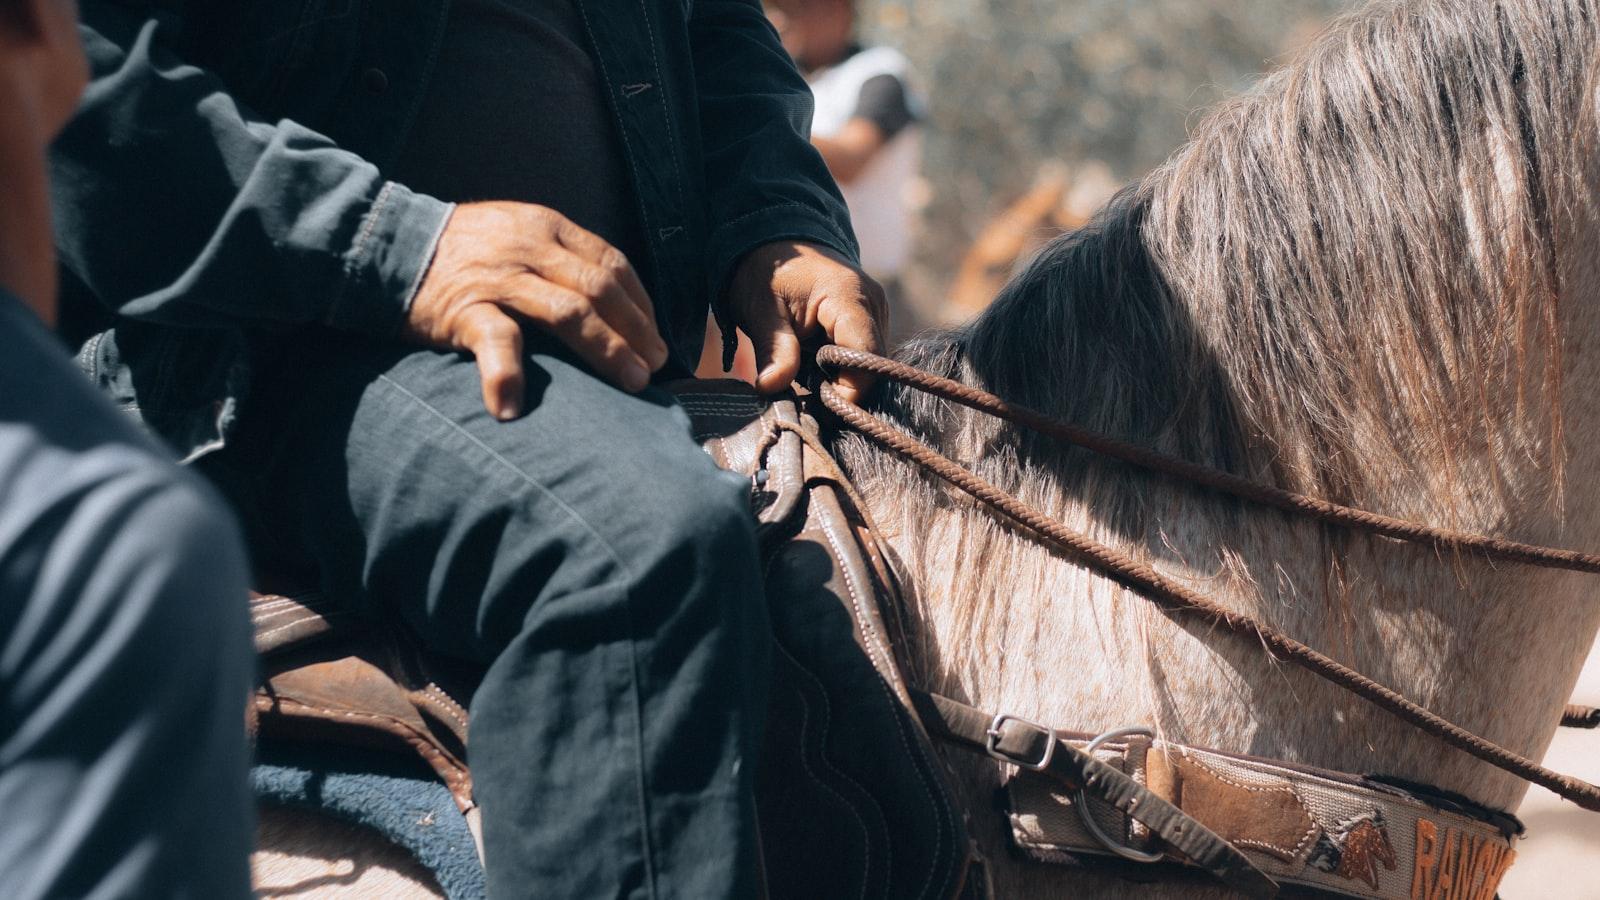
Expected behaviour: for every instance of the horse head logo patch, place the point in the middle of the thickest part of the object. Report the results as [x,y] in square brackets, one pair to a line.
[1355,848]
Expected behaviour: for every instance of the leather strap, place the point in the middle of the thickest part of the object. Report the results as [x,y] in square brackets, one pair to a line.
[1309,829]
[1034,747]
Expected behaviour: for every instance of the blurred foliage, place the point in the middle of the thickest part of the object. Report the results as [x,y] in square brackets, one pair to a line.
[1012,85]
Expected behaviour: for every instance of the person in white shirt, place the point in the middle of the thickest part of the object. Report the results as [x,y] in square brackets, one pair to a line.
[865,127]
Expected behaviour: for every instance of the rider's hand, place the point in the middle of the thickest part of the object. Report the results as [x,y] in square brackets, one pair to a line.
[787,291]
[501,265]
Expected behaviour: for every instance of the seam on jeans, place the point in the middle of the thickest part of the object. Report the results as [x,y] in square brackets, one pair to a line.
[514,469]
[641,783]
[641,796]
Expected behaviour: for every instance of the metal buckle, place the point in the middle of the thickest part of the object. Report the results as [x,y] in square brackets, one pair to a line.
[991,743]
[1082,801]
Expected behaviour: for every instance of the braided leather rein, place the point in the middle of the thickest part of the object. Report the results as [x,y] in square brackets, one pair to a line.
[1178,599]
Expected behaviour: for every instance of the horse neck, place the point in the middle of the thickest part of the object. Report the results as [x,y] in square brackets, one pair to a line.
[1495,648]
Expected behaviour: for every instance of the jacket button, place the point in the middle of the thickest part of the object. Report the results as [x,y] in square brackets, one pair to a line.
[375,81]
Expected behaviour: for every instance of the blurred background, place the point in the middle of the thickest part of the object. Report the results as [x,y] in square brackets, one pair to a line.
[1028,115]
[1079,96]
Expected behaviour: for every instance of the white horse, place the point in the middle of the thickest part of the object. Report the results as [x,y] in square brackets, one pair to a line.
[1375,278]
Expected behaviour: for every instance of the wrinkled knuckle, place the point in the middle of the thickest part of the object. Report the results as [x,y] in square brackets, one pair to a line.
[598,281]
[541,217]
[568,311]
[613,261]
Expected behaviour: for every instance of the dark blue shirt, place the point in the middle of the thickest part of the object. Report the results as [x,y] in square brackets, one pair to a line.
[516,110]
[225,179]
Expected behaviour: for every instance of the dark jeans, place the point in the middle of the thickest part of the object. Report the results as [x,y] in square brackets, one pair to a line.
[125,657]
[592,557]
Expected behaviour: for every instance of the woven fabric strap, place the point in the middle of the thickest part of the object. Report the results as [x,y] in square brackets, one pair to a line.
[1177,599]
[1026,744]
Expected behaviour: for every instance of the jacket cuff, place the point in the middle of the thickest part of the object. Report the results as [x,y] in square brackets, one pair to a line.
[384,266]
[731,240]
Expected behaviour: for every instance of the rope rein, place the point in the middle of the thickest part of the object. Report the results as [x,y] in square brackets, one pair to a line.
[1175,598]
[1206,476]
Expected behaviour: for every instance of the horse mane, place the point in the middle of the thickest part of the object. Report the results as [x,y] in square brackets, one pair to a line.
[1347,281]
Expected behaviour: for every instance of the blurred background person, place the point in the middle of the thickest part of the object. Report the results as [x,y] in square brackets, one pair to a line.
[125,655]
[865,127]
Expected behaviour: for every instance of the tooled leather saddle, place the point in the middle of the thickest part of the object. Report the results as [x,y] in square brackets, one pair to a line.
[852,798]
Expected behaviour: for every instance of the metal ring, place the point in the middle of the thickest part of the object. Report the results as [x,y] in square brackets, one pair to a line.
[1082,801]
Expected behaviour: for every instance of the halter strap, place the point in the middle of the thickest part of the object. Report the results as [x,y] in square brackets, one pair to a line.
[1031,746]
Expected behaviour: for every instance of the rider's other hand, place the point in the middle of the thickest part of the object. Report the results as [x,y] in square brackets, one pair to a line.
[787,291]
[501,265]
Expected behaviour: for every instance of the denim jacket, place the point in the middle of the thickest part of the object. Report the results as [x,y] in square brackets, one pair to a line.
[223,182]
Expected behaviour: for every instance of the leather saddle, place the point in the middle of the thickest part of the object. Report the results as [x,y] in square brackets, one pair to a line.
[852,798]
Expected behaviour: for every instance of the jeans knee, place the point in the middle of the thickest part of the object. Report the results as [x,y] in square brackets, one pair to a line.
[708,517]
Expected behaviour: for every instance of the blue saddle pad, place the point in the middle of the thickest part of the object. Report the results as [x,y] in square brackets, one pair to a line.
[397,797]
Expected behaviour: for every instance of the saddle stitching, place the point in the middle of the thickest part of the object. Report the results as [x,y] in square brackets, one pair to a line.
[452,708]
[773,434]
[755,404]
[327,617]
[875,648]
[273,604]
[421,745]
[721,408]
[905,743]
[1289,789]
[805,708]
